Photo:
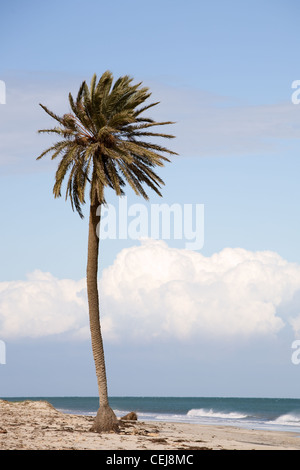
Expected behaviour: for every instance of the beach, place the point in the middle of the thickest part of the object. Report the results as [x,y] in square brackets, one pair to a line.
[37,425]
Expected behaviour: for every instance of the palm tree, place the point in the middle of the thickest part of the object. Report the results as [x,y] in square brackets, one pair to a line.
[104,141]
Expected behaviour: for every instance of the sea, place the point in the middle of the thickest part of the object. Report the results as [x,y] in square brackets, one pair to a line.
[280,414]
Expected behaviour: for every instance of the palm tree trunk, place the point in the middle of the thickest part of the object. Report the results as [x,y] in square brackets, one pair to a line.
[105,419]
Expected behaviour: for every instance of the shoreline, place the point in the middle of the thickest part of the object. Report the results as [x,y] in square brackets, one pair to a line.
[37,425]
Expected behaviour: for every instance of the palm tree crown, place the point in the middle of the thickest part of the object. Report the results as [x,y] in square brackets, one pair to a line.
[104,141]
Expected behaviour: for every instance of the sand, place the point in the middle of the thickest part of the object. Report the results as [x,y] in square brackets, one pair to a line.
[37,425]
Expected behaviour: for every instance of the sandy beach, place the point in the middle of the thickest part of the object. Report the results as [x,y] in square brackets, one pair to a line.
[37,425]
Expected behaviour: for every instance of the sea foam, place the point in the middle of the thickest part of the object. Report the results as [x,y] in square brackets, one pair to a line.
[288,419]
[199,413]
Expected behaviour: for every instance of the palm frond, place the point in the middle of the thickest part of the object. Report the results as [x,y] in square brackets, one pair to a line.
[53,115]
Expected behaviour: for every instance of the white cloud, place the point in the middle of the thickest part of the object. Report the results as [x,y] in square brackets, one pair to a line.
[42,306]
[153,291]
[21,117]
[206,124]
[209,124]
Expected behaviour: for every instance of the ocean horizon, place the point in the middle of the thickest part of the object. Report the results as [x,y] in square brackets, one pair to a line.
[278,414]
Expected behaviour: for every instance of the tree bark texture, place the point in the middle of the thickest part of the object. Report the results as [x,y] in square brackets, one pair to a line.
[105,419]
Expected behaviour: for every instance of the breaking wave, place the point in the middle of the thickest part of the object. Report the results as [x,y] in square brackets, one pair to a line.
[202,413]
[288,419]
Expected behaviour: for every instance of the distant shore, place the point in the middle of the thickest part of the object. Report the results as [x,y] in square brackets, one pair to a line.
[37,425]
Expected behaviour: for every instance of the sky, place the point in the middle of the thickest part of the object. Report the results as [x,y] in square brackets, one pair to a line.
[219,318]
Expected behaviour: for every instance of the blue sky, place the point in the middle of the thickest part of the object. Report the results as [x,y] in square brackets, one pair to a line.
[223,72]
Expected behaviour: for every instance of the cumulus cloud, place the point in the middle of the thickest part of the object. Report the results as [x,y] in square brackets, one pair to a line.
[42,306]
[154,292]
